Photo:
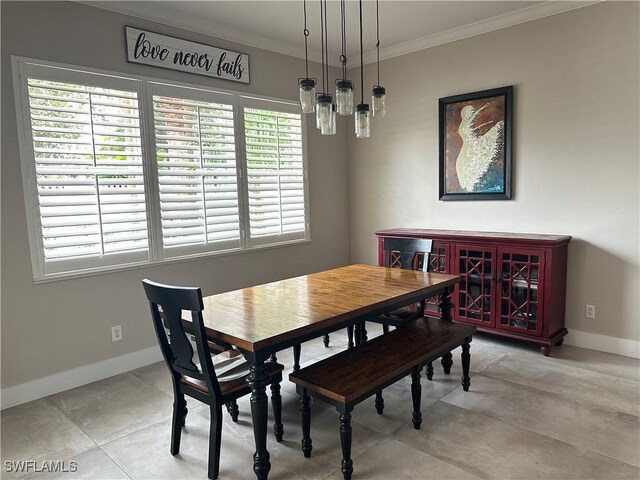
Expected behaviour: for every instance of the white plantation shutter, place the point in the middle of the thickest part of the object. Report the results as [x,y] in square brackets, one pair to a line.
[276,176]
[88,171]
[197,177]
[121,172]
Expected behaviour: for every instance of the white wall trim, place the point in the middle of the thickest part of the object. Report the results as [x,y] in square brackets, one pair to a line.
[604,343]
[243,37]
[506,20]
[77,377]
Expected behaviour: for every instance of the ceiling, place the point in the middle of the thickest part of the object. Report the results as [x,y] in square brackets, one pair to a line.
[405,26]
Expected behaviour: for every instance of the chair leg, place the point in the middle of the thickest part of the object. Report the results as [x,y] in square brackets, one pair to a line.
[429,371]
[276,403]
[345,440]
[232,408]
[179,416]
[325,340]
[296,357]
[385,328]
[447,362]
[466,362]
[305,420]
[215,439]
[379,403]
[350,336]
[416,393]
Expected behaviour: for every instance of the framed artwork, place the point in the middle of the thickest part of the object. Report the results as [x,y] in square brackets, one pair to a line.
[475,145]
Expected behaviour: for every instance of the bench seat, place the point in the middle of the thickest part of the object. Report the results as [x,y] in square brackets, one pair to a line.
[348,378]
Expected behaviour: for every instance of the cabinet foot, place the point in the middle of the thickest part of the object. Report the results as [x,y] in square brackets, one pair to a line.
[545,349]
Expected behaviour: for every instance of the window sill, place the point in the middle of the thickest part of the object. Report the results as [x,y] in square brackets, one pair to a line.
[90,272]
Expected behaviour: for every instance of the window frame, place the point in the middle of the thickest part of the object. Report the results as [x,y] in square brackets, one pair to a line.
[145,86]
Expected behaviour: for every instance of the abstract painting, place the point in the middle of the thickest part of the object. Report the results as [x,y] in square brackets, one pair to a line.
[475,145]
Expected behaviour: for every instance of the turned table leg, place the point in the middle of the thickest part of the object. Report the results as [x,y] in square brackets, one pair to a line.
[258,381]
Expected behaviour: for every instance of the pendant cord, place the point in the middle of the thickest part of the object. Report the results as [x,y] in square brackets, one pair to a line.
[361,60]
[324,86]
[343,25]
[326,43]
[378,39]
[306,34]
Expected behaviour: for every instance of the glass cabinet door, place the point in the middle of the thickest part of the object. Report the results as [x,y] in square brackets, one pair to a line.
[520,290]
[474,294]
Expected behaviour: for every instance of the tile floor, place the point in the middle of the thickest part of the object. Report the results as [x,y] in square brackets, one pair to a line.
[574,415]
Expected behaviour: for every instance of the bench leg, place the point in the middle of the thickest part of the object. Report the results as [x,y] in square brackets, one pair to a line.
[325,340]
[416,394]
[345,440]
[385,328]
[305,420]
[350,336]
[447,362]
[429,371]
[379,403]
[296,357]
[466,362]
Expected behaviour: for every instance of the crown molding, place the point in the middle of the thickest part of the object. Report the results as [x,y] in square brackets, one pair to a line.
[517,17]
[224,32]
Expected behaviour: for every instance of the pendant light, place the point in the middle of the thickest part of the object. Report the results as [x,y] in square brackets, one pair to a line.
[378,94]
[307,85]
[344,87]
[324,105]
[363,116]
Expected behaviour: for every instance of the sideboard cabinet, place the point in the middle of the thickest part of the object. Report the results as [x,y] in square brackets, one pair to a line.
[511,284]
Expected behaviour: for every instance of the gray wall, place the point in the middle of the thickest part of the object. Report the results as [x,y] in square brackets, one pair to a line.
[576,151]
[53,327]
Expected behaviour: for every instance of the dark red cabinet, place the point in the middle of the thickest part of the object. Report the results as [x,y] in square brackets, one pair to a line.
[511,284]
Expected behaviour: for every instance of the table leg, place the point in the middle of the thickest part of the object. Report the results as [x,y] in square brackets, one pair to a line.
[258,381]
[445,310]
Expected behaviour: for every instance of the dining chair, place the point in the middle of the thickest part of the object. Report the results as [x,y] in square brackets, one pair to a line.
[219,379]
[410,254]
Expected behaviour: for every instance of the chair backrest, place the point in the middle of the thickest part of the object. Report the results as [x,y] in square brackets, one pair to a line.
[167,303]
[407,253]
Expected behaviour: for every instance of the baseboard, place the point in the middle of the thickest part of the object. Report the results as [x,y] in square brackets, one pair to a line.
[603,343]
[77,377]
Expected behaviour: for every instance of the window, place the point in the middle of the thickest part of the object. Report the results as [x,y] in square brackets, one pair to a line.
[125,171]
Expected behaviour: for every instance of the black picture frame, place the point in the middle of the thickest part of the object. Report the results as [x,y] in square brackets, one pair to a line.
[478,166]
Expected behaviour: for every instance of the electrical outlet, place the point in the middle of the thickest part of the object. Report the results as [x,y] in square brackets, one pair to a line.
[116,333]
[590,311]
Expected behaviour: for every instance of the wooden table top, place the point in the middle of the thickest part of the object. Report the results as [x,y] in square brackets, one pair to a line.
[265,315]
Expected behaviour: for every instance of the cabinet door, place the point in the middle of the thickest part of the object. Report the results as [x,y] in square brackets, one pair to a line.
[474,295]
[438,262]
[520,290]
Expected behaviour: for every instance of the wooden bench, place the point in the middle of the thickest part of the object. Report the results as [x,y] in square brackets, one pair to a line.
[348,378]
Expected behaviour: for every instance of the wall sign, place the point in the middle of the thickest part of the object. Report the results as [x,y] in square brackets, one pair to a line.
[150,48]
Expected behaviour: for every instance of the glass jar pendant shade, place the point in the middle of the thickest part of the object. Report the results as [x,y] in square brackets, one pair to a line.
[344,97]
[331,129]
[363,121]
[323,111]
[307,94]
[378,101]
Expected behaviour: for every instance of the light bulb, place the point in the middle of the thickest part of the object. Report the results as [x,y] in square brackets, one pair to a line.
[344,97]
[307,95]
[378,101]
[323,111]
[363,121]
[330,129]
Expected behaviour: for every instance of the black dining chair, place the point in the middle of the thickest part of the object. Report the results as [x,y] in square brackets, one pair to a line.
[410,254]
[217,380]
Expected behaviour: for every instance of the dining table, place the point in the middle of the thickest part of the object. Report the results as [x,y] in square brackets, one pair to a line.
[264,319]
